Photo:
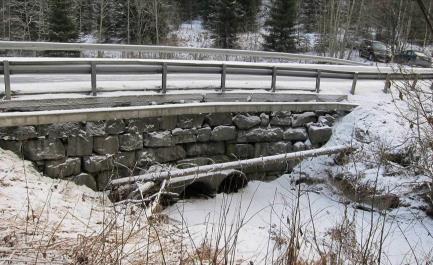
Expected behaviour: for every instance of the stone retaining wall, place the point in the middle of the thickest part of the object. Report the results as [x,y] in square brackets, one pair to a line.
[92,153]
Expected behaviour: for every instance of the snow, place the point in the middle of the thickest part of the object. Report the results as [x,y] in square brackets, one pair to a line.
[52,221]
[192,34]
[264,207]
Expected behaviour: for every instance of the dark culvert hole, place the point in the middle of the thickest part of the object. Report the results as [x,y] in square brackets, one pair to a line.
[197,190]
[233,183]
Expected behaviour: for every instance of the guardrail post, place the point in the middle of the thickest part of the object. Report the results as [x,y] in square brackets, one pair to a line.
[7,79]
[387,83]
[223,77]
[164,78]
[415,81]
[93,77]
[319,73]
[274,79]
[355,80]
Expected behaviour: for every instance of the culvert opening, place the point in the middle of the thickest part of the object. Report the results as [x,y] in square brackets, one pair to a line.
[197,190]
[233,183]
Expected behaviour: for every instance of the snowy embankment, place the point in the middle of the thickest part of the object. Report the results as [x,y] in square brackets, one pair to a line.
[50,221]
[264,212]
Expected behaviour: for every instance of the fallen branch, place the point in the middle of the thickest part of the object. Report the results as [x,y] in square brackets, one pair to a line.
[156,203]
[147,199]
[238,165]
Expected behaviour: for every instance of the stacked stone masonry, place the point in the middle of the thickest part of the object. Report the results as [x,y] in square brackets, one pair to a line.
[92,153]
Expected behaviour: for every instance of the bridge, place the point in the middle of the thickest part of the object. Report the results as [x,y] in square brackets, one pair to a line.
[162,136]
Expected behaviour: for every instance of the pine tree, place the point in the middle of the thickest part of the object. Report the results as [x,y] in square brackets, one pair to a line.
[61,27]
[251,10]
[224,22]
[281,26]
[310,12]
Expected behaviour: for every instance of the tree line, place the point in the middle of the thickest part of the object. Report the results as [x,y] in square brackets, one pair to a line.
[330,27]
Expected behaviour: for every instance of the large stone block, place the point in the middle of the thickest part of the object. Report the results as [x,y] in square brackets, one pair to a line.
[205,149]
[158,139]
[60,130]
[168,122]
[217,119]
[217,159]
[63,168]
[296,134]
[14,146]
[95,128]
[161,155]
[44,149]
[81,145]
[94,164]
[281,118]
[190,121]
[201,161]
[327,120]
[103,179]
[319,134]
[193,162]
[131,141]
[245,121]
[204,134]
[125,159]
[182,136]
[263,135]
[299,146]
[145,158]
[223,133]
[143,125]
[85,180]
[114,127]
[21,133]
[105,145]
[264,120]
[268,149]
[169,154]
[303,119]
[240,151]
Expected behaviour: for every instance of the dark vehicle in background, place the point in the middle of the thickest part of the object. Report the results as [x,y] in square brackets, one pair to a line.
[374,51]
[413,58]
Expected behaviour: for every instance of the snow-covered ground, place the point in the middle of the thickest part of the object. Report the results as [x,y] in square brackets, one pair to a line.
[263,209]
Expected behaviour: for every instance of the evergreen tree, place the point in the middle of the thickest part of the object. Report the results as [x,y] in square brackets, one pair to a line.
[61,27]
[224,22]
[191,9]
[281,26]
[251,10]
[310,14]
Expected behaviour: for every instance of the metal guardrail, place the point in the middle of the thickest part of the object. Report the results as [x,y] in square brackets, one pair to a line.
[123,67]
[81,47]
